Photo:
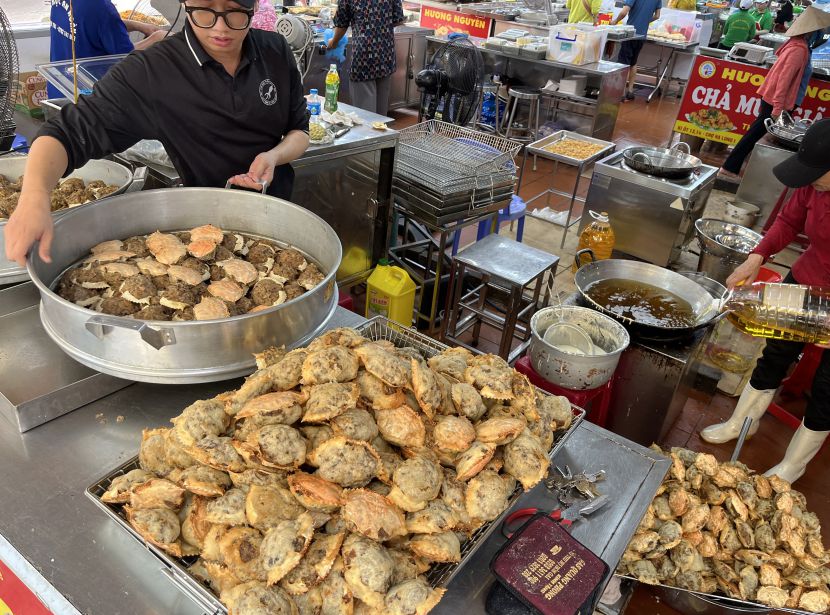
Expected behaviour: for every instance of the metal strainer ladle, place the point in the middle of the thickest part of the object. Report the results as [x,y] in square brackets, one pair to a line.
[566,336]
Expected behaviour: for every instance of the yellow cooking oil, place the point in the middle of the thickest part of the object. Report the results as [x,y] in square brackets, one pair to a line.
[598,236]
[390,292]
[787,312]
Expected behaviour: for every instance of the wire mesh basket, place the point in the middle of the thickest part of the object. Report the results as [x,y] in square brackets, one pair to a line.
[449,159]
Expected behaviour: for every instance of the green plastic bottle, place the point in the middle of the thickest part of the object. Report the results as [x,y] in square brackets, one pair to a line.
[332,89]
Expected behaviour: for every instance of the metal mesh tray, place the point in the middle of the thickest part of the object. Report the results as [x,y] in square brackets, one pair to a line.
[537,148]
[378,328]
[735,605]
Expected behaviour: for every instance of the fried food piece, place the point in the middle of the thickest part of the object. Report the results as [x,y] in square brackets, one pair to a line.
[326,401]
[207,232]
[412,597]
[282,407]
[415,482]
[211,308]
[157,493]
[267,506]
[315,565]
[152,454]
[240,549]
[229,509]
[426,388]
[119,489]
[474,460]
[159,526]
[281,376]
[315,493]
[284,546]
[401,426]
[336,364]
[349,463]
[368,569]
[467,401]
[499,431]
[372,515]
[486,496]
[491,375]
[355,424]
[383,364]
[226,290]
[257,598]
[454,434]
[166,248]
[525,460]
[441,548]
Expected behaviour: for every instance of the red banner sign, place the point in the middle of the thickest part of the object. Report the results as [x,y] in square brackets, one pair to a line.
[16,598]
[446,22]
[721,100]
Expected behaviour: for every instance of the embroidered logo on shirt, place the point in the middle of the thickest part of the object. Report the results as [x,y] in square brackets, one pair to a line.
[268,92]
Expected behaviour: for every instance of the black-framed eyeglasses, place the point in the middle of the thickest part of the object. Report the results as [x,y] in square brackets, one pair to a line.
[236,19]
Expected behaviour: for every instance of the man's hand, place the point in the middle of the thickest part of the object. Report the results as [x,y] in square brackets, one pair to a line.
[260,173]
[746,272]
[30,222]
[154,38]
[332,44]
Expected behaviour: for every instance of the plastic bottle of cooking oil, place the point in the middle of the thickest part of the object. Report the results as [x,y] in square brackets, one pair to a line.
[598,236]
[332,89]
[782,311]
[390,292]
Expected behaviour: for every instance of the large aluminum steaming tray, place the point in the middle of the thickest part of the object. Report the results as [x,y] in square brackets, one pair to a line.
[110,172]
[537,148]
[184,352]
[440,575]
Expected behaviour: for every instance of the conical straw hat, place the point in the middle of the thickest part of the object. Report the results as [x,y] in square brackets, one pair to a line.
[810,20]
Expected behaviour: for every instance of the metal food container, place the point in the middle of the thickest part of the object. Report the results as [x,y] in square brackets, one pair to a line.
[440,575]
[537,148]
[194,351]
[571,371]
[110,172]
[723,246]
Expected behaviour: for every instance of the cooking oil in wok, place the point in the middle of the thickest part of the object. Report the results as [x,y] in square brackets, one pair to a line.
[641,302]
[782,311]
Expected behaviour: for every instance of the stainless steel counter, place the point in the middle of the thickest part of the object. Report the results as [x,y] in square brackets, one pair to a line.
[45,517]
[78,553]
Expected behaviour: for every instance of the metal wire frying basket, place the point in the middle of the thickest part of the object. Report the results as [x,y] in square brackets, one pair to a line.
[448,159]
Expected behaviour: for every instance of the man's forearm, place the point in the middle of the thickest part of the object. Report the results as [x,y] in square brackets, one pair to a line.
[623,14]
[46,165]
[138,26]
[293,145]
[338,34]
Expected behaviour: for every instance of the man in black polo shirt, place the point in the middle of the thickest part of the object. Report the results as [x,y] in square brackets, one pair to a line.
[226,101]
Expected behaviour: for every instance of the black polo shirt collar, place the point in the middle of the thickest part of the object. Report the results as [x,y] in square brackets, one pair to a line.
[202,57]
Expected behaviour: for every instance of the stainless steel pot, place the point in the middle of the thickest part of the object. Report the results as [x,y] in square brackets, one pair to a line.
[704,307]
[723,246]
[575,372]
[669,163]
[184,352]
[693,603]
[110,172]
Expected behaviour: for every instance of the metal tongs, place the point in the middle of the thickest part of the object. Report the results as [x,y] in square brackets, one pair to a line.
[565,517]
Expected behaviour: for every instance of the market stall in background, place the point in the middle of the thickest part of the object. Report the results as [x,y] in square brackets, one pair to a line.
[480,324]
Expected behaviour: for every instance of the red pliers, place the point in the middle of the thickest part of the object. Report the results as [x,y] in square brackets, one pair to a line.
[565,517]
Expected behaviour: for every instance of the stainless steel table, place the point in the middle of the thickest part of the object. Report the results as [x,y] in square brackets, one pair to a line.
[78,561]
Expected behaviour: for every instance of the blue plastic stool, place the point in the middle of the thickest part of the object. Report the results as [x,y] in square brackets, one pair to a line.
[20,142]
[515,211]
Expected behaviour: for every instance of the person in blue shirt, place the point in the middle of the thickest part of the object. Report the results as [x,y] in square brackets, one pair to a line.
[99,31]
[637,13]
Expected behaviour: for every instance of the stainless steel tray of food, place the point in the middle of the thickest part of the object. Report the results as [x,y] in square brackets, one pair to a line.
[107,171]
[700,602]
[196,350]
[537,148]
[440,575]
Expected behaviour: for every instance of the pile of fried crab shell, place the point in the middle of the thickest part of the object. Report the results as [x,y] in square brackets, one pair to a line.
[719,528]
[201,274]
[70,193]
[337,475]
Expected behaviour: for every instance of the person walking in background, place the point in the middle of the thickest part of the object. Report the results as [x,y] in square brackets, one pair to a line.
[762,16]
[637,13]
[780,89]
[372,24]
[99,31]
[739,27]
[583,11]
[783,16]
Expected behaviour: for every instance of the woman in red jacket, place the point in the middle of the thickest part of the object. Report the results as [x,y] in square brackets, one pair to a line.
[807,212]
[780,88]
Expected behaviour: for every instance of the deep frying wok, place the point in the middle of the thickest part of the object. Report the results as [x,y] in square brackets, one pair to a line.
[704,306]
[669,163]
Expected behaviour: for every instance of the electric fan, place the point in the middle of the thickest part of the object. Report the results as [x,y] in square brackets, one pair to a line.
[9,86]
[451,84]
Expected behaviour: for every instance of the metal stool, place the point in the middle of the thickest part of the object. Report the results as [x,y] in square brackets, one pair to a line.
[515,97]
[506,267]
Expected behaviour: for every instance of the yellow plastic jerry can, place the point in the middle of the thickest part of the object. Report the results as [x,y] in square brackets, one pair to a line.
[390,292]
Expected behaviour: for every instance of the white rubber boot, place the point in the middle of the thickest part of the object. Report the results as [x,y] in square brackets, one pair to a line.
[803,447]
[752,403]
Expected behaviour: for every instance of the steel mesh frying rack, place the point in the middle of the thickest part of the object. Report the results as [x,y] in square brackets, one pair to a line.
[176,569]
[9,86]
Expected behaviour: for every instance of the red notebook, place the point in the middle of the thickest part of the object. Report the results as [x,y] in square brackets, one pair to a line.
[548,569]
